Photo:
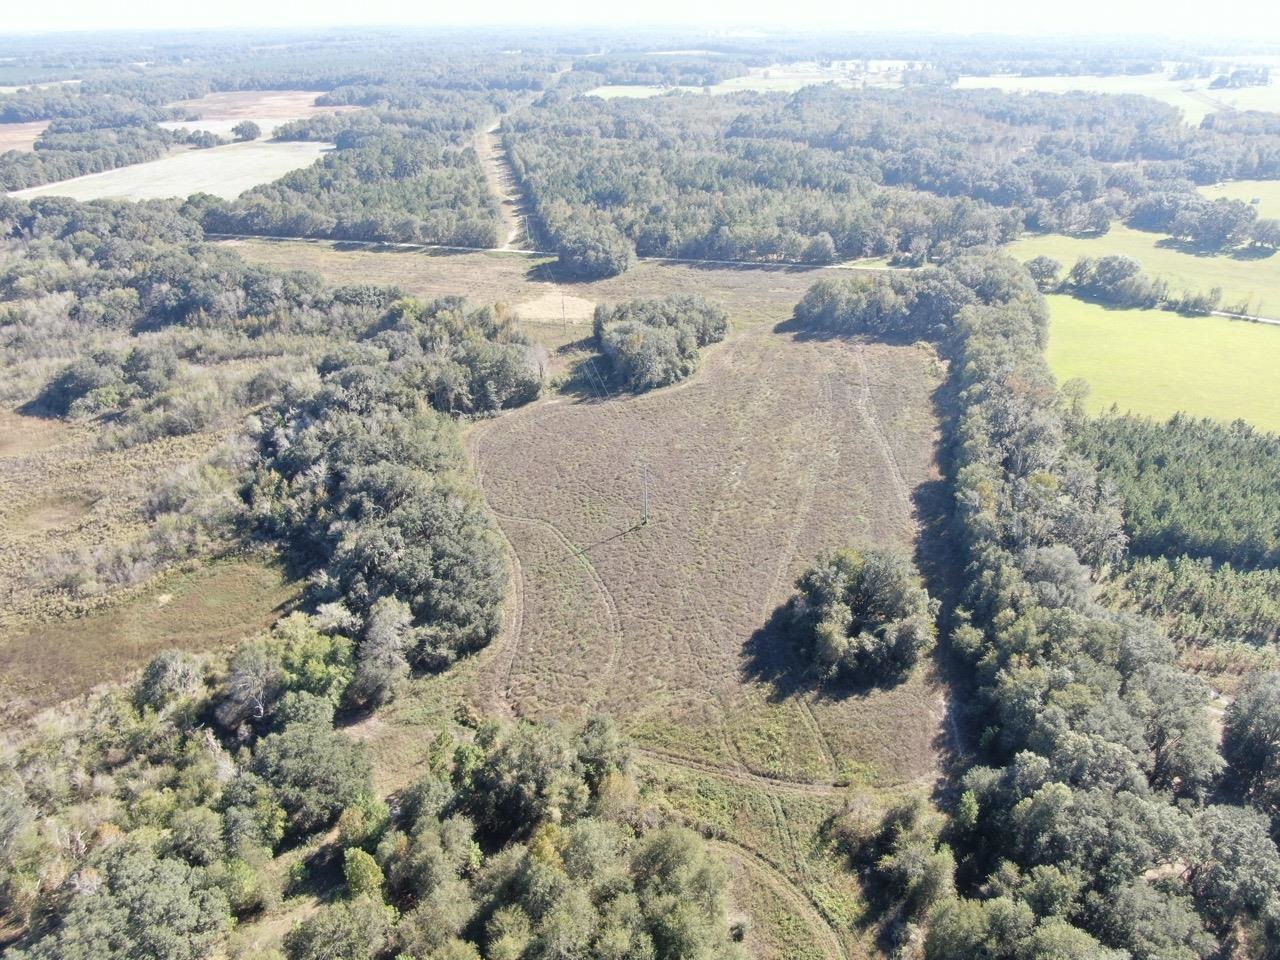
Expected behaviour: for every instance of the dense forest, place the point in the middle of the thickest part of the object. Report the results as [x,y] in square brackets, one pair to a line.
[827,173]
[1091,826]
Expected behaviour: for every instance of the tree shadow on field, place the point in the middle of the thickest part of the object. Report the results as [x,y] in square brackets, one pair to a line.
[777,656]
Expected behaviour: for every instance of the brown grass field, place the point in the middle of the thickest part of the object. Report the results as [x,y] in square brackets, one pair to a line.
[21,136]
[204,608]
[219,112]
[778,448]
[60,492]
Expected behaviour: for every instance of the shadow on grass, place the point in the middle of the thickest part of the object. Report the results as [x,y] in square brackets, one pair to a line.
[777,656]
[1235,253]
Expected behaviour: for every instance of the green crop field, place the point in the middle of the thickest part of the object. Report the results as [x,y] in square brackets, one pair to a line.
[1192,97]
[1255,280]
[1266,192]
[223,171]
[1159,363]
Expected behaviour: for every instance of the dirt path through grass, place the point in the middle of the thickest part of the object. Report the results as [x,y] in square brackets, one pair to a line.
[504,186]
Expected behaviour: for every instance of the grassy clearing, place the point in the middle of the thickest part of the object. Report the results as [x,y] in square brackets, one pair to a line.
[59,492]
[779,447]
[1255,280]
[206,608]
[1158,363]
[219,112]
[225,171]
[1192,97]
[21,136]
[522,282]
[1266,192]
[778,78]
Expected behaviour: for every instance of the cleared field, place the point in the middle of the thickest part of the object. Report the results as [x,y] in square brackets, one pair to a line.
[1243,279]
[778,78]
[219,112]
[208,608]
[1157,363]
[1192,97]
[1266,192]
[223,171]
[779,447]
[523,282]
[21,136]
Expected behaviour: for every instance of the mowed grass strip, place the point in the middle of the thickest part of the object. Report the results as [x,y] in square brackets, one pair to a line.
[1158,363]
[1243,279]
[1193,97]
[225,172]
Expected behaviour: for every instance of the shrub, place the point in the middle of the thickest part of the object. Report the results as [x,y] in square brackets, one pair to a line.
[866,614]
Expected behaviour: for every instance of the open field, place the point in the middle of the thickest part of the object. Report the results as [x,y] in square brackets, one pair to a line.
[1158,363]
[523,282]
[223,171]
[778,78]
[219,112]
[779,447]
[207,608]
[1192,97]
[60,492]
[1242,278]
[1266,192]
[21,136]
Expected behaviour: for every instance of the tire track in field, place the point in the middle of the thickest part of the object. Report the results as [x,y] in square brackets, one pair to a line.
[863,403]
[818,467]
[788,891]
[611,607]
[514,629]
[742,777]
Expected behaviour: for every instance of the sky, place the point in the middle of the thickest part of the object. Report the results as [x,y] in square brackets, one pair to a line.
[1248,19]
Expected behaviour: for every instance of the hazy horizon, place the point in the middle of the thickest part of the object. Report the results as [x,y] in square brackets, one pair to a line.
[1238,20]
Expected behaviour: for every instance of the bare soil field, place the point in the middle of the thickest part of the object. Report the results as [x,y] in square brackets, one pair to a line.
[219,112]
[21,136]
[225,171]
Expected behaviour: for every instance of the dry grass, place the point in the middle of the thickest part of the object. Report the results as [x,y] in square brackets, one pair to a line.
[779,449]
[21,136]
[225,171]
[60,492]
[219,112]
[206,608]
[750,294]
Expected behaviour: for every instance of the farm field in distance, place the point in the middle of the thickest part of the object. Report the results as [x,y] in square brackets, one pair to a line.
[219,112]
[1192,97]
[226,171]
[1243,279]
[777,78]
[21,136]
[1158,363]
[1266,192]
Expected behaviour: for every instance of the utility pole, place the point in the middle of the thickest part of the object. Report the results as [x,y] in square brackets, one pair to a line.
[644,522]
